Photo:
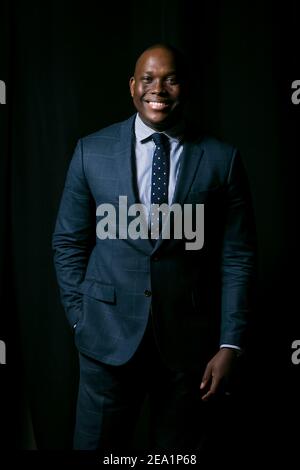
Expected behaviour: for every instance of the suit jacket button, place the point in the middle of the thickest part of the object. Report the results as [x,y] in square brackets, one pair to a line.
[155,258]
[147,293]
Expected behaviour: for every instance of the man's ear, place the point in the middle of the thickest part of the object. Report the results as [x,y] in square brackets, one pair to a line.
[131,86]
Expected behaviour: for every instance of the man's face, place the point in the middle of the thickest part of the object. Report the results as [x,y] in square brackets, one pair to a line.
[156,88]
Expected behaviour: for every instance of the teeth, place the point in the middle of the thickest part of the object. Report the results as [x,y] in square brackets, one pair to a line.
[156,105]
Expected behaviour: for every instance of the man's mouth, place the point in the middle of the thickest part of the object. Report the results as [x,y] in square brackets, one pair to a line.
[158,105]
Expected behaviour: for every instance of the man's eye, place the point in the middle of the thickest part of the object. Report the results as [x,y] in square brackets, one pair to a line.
[146,79]
[172,80]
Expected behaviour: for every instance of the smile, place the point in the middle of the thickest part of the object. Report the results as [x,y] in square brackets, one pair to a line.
[157,105]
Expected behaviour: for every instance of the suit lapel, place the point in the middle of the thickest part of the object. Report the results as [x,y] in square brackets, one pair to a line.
[127,174]
[126,167]
[191,157]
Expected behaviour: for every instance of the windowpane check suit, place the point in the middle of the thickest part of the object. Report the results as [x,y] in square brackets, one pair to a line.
[110,288]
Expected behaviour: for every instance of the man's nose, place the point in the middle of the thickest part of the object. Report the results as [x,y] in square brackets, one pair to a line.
[158,86]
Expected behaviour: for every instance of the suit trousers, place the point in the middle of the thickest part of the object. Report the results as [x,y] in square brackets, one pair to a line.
[110,400]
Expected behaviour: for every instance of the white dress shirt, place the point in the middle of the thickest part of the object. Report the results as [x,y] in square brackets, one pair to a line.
[144,150]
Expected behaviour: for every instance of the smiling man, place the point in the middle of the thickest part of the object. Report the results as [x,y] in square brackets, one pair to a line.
[157,87]
[150,316]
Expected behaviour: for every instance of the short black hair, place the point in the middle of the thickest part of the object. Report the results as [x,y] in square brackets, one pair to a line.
[179,55]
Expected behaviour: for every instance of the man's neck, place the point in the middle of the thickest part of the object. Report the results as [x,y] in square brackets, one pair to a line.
[175,130]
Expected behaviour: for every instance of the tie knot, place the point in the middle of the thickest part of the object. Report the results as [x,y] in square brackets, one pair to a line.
[160,139]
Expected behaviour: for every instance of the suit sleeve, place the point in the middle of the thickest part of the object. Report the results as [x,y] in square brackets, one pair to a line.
[73,236]
[239,263]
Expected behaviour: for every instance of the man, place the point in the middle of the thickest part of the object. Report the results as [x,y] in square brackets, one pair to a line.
[151,314]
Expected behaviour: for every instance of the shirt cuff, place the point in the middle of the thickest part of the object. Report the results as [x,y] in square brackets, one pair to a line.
[232,346]
[238,350]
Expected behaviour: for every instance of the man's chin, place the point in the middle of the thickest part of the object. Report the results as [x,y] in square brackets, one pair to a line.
[161,122]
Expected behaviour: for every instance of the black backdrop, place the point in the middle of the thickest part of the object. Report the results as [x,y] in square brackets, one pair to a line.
[66,66]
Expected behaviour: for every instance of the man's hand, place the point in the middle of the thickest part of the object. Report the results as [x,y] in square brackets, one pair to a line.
[217,368]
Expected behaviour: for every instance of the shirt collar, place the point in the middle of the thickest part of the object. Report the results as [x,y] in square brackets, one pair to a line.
[144,132]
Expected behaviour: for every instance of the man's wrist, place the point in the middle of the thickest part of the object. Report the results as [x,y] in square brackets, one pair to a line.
[236,349]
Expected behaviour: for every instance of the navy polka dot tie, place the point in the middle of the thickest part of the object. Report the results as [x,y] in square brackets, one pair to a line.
[160,178]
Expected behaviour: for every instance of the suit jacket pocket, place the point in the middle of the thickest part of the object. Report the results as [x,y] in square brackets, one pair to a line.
[98,291]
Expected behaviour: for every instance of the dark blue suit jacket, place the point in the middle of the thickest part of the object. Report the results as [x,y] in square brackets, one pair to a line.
[199,299]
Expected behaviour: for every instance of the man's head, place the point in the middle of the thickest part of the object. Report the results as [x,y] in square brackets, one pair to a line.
[158,86]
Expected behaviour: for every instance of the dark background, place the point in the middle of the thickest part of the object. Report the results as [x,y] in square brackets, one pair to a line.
[66,66]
